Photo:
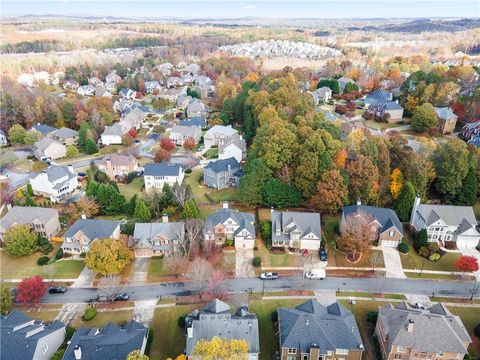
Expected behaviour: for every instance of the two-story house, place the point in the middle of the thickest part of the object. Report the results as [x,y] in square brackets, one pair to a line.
[217,135]
[312,331]
[157,175]
[408,333]
[49,149]
[447,120]
[383,223]
[299,230]
[196,108]
[56,182]
[321,94]
[217,174]
[117,166]
[179,133]
[231,224]
[217,320]
[446,223]
[235,146]
[83,232]
[113,134]
[65,135]
[43,221]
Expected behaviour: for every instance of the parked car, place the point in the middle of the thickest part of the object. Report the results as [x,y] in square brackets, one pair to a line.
[276,356]
[268,276]
[122,296]
[57,290]
[323,255]
[103,298]
[316,274]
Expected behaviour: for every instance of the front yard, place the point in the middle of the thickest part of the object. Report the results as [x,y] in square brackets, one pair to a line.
[103,318]
[156,270]
[414,261]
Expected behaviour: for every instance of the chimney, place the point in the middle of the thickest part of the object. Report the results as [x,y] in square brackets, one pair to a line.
[77,351]
[84,216]
[414,208]
[225,205]
[165,218]
[359,202]
[70,168]
[271,210]
[410,325]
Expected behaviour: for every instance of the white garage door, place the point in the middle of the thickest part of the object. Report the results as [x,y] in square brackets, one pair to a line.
[244,244]
[466,243]
[310,244]
[389,243]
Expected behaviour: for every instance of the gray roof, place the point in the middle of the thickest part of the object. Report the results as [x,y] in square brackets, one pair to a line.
[302,222]
[451,214]
[329,328]
[162,169]
[445,113]
[386,217]
[113,130]
[111,342]
[15,344]
[64,133]
[93,229]
[434,329]
[236,140]
[56,172]
[118,160]
[194,121]
[26,215]
[205,325]
[191,131]
[244,220]
[218,166]
[378,96]
[145,232]
[42,144]
[220,129]
[43,128]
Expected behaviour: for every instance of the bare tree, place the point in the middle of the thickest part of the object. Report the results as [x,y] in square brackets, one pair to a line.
[175,263]
[376,258]
[216,288]
[199,273]
[182,241]
[474,289]
[193,232]
[49,270]
[109,286]
[181,194]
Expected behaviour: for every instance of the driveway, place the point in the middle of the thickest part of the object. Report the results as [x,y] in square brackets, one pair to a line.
[243,263]
[143,311]
[139,271]
[85,279]
[473,252]
[393,264]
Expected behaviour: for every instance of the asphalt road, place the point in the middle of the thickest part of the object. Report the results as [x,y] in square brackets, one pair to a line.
[374,285]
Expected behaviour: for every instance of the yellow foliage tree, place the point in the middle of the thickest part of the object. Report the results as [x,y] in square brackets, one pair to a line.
[108,256]
[181,357]
[219,349]
[252,77]
[396,182]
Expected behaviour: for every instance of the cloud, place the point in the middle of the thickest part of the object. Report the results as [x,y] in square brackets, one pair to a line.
[250,7]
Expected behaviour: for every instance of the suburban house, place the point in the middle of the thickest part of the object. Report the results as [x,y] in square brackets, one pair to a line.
[49,149]
[343,81]
[178,134]
[133,119]
[157,175]
[158,238]
[43,221]
[378,96]
[217,173]
[300,230]
[3,138]
[152,86]
[217,135]
[83,232]
[112,342]
[86,90]
[65,135]
[127,93]
[321,94]
[56,182]
[234,146]
[197,121]
[446,120]
[113,77]
[196,108]
[231,224]
[102,90]
[117,166]
[471,132]
[24,338]
[112,134]
[383,223]
[70,85]
[313,331]
[94,81]
[446,223]
[406,332]
[216,319]
[43,129]
[387,107]
[182,101]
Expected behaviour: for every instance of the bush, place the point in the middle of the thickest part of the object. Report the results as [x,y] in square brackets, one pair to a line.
[149,341]
[255,248]
[420,239]
[266,232]
[45,249]
[433,247]
[188,171]
[42,260]
[59,254]
[257,261]
[434,257]
[131,176]
[229,242]
[69,331]
[181,321]
[477,330]
[90,313]
[372,317]
[403,248]
[424,251]
[274,316]
[83,254]
[42,241]
[52,260]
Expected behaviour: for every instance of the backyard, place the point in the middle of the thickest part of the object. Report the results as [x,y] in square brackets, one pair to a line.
[204,194]
[135,187]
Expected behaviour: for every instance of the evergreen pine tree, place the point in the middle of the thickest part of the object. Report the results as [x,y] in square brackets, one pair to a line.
[468,192]
[403,205]
[190,210]
[142,212]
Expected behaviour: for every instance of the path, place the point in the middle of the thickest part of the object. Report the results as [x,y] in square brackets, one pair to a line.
[243,263]
[393,263]
[139,272]
[143,311]
[325,297]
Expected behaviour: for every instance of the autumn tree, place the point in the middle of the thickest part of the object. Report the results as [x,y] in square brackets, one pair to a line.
[331,194]
[218,348]
[167,144]
[467,263]
[189,144]
[404,203]
[175,262]
[30,290]
[6,300]
[16,134]
[193,235]
[216,288]
[127,139]
[20,240]
[72,151]
[109,286]
[424,117]
[396,182]
[88,206]
[108,256]
[355,237]
[199,273]
[137,355]
[162,155]
[363,175]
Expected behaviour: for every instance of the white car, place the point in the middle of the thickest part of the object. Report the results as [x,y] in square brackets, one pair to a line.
[316,274]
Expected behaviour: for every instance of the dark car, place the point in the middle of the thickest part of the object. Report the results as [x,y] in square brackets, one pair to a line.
[57,290]
[323,255]
[122,297]
[82,174]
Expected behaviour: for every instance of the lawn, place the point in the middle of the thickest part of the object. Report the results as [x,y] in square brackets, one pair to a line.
[412,275]
[377,125]
[156,270]
[330,222]
[415,261]
[337,258]
[135,187]
[168,337]
[204,194]
[476,209]
[370,295]
[470,318]
[103,318]
[211,154]
[44,312]
[274,260]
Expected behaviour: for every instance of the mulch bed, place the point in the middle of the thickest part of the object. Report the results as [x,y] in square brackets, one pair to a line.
[354,273]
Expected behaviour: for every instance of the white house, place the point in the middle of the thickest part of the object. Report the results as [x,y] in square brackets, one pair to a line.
[3,138]
[49,149]
[298,230]
[218,134]
[196,108]
[446,223]
[112,134]
[56,183]
[321,94]
[180,133]
[235,146]
[86,90]
[157,175]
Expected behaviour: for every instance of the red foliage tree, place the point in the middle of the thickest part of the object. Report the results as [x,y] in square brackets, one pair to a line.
[167,144]
[162,155]
[30,290]
[189,144]
[216,288]
[467,264]
[459,109]
[133,133]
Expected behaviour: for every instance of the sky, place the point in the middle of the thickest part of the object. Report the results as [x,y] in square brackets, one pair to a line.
[322,9]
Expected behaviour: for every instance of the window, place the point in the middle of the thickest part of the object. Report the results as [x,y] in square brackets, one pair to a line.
[400,349]
[440,353]
[341,351]
[390,233]
[292,351]
[305,356]
[45,348]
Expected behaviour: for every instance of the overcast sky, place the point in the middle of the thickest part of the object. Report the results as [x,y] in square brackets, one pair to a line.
[323,9]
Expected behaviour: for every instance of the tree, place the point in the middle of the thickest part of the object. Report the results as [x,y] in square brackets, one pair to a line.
[167,144]
[331,194]
[467,263]
[109,286]
[332,84]
[6,300]
[16,134]
[87,206]
[355,237]
[420,239]
[404,203]
[189,144]
[350,88]
[162,155]
[190,210]
[256,175]
[90,147]
[218,348]
[142,212]
[193,232]
[468,192]
[181,194]
[175,263]
[424,117]
[363,175]
[199,273]
[30,290]
[216,288]
[30,190]
[108,256]
[32,137]
[376,259]
[137,355]
[20,240]
[275,193]
[396,182]
[127,139]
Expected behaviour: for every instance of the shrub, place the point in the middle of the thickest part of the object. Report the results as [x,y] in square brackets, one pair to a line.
[255,248]
[477,330]
[59,254]
[69,331]
[52,260]
[45,249]
[372,317]
[188,171]
[181,321]
[41,241]
[434,257]
[433,247]
[229,242]
[274,316]
[42,260]
[83,254]
[420,239]
[149,341]
[257,261]
[90,313]
[130,176]
[424,251]
[403,248]
[266,232]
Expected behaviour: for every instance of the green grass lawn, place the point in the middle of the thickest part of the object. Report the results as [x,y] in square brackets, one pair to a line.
[370,295]
[103,318]
[411,275]
[156,270]
[470,318]
[476,209]
[377,125]
[211,154]
[330,222]
[200,191]
[135,187]
[168,337]
[415,261]
[337,258]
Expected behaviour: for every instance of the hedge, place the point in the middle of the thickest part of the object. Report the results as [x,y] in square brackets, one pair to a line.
[149,341]
[477,330]
[90,313]
[59,254]
[42,260]
[69,331]
[188,171]
[181,321]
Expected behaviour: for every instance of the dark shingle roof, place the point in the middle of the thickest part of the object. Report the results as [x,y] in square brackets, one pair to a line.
[43,128]
[386,217]
[218,166]
[162,169]
[194,121]
[244,220]
[93,229]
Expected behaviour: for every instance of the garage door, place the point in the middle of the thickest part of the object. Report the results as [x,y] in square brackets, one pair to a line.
[244,244]
[465,243]
[389,243]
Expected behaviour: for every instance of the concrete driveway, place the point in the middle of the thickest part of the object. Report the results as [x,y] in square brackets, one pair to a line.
[243,263]
[475,253]
[393,264]
[139,271]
